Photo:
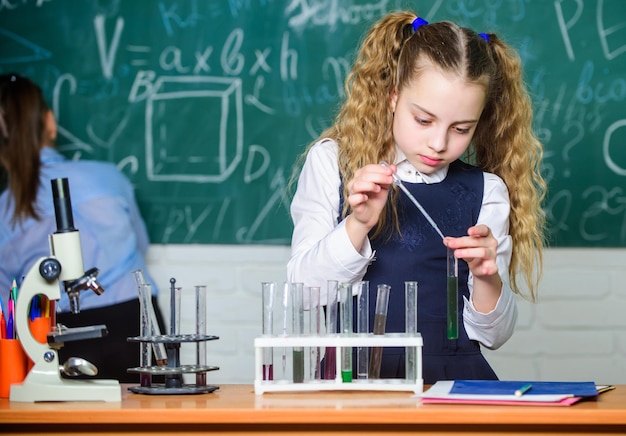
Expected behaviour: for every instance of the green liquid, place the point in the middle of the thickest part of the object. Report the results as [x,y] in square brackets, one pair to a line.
[346,376]
[298,366]
[453,303]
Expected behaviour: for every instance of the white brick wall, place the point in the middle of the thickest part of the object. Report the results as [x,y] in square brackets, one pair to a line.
[576,331]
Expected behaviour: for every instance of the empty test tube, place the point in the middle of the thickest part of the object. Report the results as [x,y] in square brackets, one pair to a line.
[286,323]
[268,296]
[410,320]
[201,331]
[345,322]
[453,296]
[380,321]
[362,326]
[145,356]
[157,348]
[315,325]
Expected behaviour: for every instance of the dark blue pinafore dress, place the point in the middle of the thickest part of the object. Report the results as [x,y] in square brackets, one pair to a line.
[418,254]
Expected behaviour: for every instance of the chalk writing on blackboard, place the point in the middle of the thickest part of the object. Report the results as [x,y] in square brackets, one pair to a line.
[206,105]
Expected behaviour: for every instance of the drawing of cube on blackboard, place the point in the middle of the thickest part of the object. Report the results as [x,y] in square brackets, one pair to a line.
[194,129]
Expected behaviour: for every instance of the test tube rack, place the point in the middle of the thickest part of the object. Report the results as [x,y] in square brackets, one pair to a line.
[339,342]
[173,371]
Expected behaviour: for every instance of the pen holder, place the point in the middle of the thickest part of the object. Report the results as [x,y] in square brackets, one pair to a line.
[13,363]
[39,329]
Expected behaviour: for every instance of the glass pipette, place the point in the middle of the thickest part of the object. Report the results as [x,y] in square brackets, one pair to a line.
[452,270]
[398,182]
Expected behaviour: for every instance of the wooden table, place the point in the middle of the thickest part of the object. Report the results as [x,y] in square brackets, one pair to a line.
[236,410]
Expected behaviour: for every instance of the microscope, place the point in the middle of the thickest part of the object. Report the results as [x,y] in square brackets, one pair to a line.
[63,267]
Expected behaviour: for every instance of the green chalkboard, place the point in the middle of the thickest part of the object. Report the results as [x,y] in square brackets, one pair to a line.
[206,104]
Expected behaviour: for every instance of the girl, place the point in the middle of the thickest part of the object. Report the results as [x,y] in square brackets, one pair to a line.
[113,234]
[421,96]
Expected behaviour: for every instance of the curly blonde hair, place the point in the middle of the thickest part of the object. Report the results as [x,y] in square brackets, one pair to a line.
[390,57]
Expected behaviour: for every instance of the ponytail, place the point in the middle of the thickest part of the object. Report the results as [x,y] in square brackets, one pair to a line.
[505,144]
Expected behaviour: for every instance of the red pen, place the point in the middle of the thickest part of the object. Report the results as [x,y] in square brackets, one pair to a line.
[3,325]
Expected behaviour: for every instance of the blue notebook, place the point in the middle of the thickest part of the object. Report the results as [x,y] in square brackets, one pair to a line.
[506,387]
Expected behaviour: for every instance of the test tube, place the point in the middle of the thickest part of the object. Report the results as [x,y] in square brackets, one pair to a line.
[362,326]
[286,322]
[345,321]
[453,296]
[268,296]
[298,330]
[201,332]
[330,357]
[145,356]
[380,321]
[315,323]
[157,348]
[410,321]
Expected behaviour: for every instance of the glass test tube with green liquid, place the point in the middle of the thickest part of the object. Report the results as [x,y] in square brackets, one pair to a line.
[453,296]
[298,329]
[345,321]
[380,321]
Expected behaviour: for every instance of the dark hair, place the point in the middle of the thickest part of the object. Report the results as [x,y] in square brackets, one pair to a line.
[22,135]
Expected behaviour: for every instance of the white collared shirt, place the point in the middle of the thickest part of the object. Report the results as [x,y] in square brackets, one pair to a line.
[322,251]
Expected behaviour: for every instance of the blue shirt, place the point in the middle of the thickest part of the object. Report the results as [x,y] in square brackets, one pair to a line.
[112,233]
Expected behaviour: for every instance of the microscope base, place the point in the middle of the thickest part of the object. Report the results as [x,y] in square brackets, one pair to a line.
[67,390]
[44,383]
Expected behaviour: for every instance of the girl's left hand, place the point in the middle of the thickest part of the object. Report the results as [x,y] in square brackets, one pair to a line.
[478,249]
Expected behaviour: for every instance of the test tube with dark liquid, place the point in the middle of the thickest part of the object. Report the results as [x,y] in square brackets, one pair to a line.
[380,321]
[453,296]
[345,322]
[362,326]
[298,330]
[410,321]
[268,296]
[330,355]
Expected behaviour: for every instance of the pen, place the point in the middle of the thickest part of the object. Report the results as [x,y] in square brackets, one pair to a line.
[3,325]
[521,391]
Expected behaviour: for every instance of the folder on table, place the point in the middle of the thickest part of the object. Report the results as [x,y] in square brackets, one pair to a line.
[503,392]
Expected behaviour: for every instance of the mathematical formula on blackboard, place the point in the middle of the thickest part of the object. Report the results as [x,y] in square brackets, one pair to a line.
[207,105]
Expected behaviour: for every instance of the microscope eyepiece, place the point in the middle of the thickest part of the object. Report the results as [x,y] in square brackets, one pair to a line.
[62,205]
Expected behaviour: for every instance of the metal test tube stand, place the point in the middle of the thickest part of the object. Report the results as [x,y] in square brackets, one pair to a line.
[64,265]
[172,370]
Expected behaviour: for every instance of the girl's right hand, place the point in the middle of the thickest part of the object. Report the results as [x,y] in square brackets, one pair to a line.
[367,193]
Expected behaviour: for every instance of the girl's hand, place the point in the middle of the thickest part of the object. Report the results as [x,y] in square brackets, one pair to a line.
[367,193]
[478,249]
